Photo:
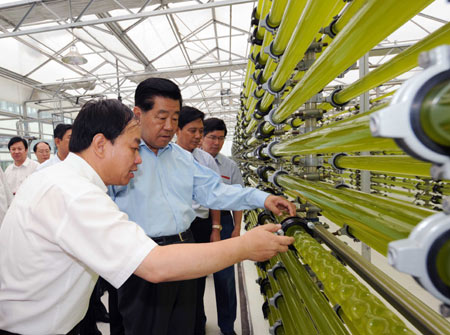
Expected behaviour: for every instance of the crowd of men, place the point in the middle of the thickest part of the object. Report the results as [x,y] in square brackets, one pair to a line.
[90,211]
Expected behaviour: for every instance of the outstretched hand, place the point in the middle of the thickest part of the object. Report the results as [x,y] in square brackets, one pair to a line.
[261,243]
[278,205]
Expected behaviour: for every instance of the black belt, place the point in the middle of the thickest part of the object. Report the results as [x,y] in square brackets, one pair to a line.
[171,239]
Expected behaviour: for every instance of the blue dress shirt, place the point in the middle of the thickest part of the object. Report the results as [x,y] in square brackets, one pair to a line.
[159,197]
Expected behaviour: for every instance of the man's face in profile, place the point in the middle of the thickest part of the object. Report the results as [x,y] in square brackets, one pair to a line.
[122,157]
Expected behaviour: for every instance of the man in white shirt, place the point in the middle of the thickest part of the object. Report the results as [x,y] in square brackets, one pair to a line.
[6,196]
[61,135]
[42,151]
[62,230]
[22,166]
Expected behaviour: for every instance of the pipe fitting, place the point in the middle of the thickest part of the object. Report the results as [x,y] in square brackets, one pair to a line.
[261,171]
[263,216]
[273,178]
[331,98]
[254,20]
[258,108]
[272,272]
[278,325]
[295,221]
[276,296]
[258,153]
[332,160]
[269,118]
[329,30]
[265,24]
[269,51]
[267,86]
[268,150]
[253,39]
[260,135]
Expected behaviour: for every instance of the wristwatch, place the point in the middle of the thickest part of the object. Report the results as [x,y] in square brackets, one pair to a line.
[217,226]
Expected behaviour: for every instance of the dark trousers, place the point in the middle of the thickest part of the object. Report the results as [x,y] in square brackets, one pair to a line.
[224,283]
[115,319]
[201,229]
[158,309]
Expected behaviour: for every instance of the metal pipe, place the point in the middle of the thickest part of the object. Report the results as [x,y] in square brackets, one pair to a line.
[414,310]
[401,63]
[370,25]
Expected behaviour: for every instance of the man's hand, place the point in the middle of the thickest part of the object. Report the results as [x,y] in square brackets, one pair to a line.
[215,235]
[277,205]
[261,243]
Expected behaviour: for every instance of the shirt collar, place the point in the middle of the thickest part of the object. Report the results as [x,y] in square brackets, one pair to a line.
[160,151]
[25,163]
[85,170]
[219,159]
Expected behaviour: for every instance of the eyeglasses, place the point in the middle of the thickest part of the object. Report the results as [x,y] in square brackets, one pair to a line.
[215,138]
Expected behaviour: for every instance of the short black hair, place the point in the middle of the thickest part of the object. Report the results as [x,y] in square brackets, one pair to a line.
[150,88]
[213,124]
[189,114]
[17,139]
[60,130]
[107,116]
[35,146]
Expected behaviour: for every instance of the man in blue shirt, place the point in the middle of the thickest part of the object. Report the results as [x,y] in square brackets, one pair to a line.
[159,199]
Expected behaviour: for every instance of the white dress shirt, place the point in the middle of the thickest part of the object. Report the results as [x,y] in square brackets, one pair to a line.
[205,159]
[49,162]
[60,232]
[6,196]
[15,175]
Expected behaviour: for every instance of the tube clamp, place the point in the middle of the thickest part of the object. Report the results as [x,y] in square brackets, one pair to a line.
[268,87]
[332,160]
[268,150]
[268,50]
[273,270]
[269,118]
[260,135]
[401,120]
[263,216]
[295,221]
[274,329]
[331,98]
[329,29]
[265,24]
[273,178]
[424,255]
[253,39]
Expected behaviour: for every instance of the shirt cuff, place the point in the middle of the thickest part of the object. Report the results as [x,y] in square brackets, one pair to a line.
[133,263]
[259,197]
